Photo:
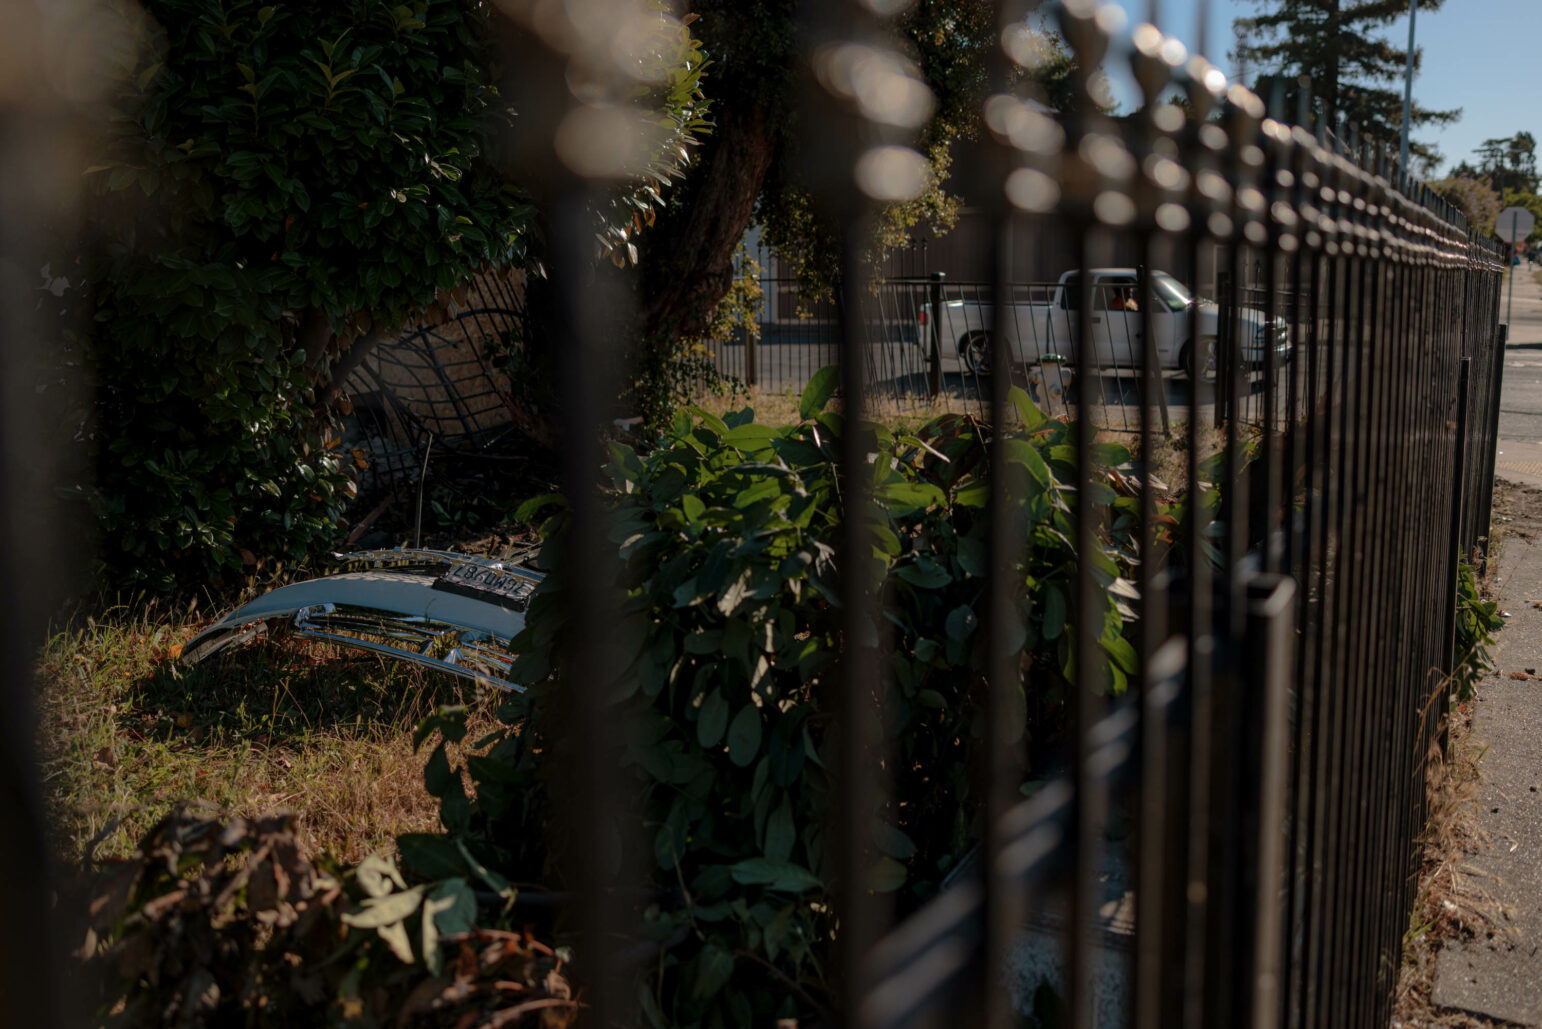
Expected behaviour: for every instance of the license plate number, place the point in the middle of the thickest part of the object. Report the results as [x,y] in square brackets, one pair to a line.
[507,589]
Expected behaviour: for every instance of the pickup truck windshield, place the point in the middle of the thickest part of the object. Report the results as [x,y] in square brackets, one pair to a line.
[1170,291]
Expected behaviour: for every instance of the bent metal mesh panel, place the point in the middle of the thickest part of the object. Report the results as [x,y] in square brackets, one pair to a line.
[1329,432]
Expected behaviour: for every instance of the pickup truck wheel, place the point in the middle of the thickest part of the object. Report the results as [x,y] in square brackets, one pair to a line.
[1186,359]
[974,351]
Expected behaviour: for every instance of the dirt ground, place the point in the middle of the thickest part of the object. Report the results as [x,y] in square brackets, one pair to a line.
[1453,904]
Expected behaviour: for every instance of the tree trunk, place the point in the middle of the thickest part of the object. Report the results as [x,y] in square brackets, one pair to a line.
[688,261]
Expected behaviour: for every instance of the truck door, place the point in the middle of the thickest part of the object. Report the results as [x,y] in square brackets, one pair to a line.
[1116,323]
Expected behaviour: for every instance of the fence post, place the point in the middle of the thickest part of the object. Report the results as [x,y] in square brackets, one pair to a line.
[1225,288]
[1490,455]
[1265,718]
[934,364]
[1454,550]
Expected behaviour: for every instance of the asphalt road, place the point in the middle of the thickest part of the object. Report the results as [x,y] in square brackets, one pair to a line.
[1520,403]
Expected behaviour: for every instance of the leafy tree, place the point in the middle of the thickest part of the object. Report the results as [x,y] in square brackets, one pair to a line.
[280,185]
[749,168]
[1474,196]
[1509,163]
[1355,73]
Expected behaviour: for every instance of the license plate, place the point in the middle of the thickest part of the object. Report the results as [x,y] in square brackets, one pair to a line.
[507,589]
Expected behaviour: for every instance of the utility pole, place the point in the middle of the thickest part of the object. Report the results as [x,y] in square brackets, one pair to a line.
[1413,9]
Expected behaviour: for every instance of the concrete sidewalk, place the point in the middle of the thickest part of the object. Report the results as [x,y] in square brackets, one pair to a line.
[1520,419]
[1500,976]
[1526,312]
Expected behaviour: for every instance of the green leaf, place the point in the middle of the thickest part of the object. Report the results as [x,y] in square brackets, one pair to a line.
[781,832]
[1054,612]
[525,511]
[974,494]
[961,622]
[495,882]
[1123,654]
[1027,410]
[1023,452]
[971,556]
[744,736]
[714,967]
[907,497]
[455,807]
[712,720]
[449,909]
[752,436]
[821,387]
[932,699]
[431,856]
[888,542]
[924,574]
[776,875]
[437,773]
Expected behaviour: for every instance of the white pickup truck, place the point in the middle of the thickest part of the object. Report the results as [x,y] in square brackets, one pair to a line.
[1042,322]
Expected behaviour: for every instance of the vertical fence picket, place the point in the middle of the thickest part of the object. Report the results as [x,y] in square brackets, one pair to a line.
[1274,752]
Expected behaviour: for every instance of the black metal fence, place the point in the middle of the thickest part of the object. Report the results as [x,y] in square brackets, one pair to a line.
[1292,648]
[1292,643]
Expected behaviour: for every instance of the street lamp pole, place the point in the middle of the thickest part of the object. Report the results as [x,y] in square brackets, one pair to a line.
[1413,8]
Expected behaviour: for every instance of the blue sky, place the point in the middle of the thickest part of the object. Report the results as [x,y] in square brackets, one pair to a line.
[1480,55]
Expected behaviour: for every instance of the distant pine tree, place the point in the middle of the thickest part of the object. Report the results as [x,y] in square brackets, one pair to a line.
[1354,73]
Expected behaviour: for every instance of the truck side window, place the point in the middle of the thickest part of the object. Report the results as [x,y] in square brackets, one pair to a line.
[1117,295]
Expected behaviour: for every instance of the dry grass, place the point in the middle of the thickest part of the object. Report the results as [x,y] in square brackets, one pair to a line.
[781,408]
[125,733]
[1452,903]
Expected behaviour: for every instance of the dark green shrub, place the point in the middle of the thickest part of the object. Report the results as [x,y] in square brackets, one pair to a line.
[725,554]
[276,182]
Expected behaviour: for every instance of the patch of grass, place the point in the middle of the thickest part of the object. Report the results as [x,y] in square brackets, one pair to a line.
[125,733]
